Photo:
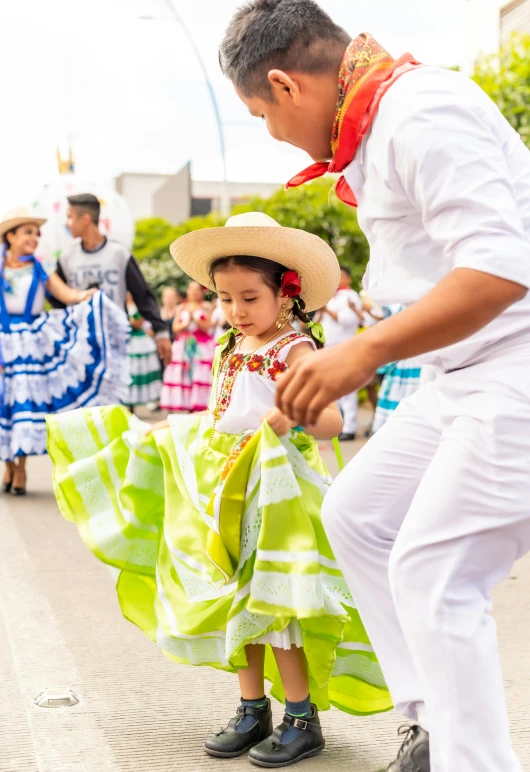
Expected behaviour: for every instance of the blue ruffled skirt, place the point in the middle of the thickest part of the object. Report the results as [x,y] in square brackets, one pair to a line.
[61,360]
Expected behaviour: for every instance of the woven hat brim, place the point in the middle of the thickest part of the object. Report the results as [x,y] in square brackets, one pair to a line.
[15,222]
[297,250]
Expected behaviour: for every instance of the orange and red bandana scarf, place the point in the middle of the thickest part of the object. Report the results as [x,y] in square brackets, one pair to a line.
[366,73]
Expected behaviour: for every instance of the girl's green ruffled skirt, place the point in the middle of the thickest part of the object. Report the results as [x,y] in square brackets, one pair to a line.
[217,545]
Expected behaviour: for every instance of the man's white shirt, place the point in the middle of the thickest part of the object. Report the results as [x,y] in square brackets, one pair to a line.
[442,181]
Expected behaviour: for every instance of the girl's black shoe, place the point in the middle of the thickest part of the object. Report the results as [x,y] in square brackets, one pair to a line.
[310,741]
[228,743]
[7,486]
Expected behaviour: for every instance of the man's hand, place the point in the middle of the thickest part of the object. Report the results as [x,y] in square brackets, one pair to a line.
[278,422]
[318,379]
[164,350]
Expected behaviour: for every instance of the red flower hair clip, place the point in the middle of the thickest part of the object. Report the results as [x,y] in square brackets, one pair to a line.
[291,284]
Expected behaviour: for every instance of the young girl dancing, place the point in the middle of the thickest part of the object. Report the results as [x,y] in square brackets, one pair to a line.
[216,521]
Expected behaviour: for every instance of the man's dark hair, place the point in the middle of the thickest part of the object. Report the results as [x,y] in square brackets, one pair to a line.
[285,34]
[346,270]
[86,203]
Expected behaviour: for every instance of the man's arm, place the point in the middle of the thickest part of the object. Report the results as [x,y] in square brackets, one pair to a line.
[460,305]
[464,302]
[143,297]
[148,308]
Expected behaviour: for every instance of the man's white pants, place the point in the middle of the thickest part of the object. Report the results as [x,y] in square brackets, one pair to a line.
[424,522]
[348,406]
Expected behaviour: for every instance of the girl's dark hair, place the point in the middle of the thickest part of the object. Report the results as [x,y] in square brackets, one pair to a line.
[271,273]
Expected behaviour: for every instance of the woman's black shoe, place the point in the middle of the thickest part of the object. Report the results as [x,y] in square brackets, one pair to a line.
[228,743]
[18,490]
[310,741]
[7,486]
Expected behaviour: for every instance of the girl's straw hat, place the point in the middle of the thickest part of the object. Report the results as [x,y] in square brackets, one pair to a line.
[258,235]
[19,216]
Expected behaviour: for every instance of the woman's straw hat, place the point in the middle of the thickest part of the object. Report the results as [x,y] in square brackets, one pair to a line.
[19,216]
[258,235]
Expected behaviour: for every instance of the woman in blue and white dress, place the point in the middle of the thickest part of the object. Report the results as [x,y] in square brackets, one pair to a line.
[49,361]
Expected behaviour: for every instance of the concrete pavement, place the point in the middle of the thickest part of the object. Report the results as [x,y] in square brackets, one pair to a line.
[60,625]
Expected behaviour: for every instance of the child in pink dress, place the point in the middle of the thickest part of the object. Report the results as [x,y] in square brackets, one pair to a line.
[188,377]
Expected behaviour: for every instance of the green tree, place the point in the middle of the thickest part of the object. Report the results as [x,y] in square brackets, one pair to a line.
[312,207]
[153,238]
[505,77]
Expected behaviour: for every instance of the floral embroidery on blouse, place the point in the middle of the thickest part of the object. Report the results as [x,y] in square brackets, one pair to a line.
[266,365]
[235,363]
[255,364]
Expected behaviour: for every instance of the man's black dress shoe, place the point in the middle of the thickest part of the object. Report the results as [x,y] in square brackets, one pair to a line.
[413,756]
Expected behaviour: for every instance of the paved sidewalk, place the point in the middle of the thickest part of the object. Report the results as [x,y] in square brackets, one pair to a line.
[60,625]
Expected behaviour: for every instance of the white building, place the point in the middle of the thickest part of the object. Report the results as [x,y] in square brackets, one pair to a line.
[515,17]
[175,197]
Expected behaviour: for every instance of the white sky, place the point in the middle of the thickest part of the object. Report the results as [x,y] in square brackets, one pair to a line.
[130,95]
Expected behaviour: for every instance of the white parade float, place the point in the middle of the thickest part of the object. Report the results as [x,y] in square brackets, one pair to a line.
[116,220]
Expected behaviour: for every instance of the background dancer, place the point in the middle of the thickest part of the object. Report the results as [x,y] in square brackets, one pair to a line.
[92,260]
[52,361]
[341,319]
[171,300]
[188,378]
[146,375]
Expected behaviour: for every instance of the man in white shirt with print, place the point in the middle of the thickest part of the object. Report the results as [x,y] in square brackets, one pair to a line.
[435,509]
[341,319]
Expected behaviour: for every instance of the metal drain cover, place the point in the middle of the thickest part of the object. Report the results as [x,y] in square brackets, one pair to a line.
[56,697]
